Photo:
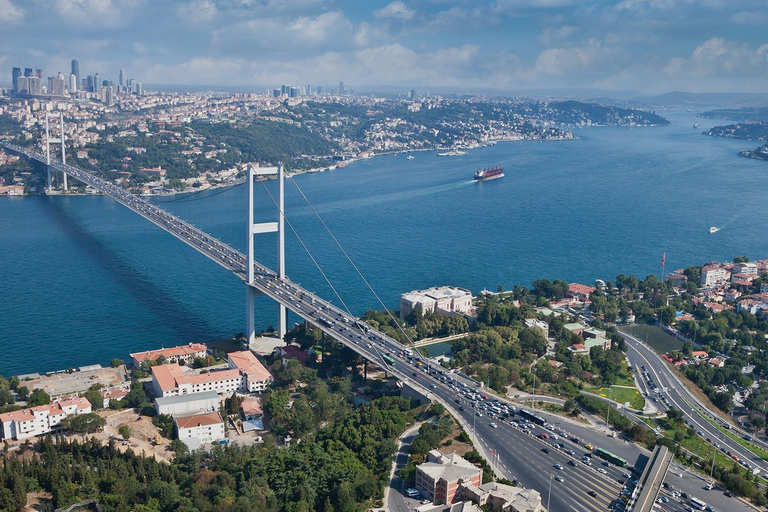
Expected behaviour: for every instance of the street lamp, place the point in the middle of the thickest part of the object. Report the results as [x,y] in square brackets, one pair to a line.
[533,403]
[549,494]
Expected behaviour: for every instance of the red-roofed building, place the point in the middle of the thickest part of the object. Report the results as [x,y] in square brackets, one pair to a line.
[35,421]
[195,429]
[117,393]
[187,353]
[289,352]
[580,292]
[246,374]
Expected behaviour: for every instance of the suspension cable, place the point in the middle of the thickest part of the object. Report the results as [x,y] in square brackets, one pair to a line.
[359,273]
[357,324]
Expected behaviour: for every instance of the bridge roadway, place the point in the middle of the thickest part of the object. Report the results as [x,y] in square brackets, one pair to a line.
[521,455]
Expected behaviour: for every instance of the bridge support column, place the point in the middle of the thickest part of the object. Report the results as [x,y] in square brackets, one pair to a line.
[47,154]
[282,319]
[250,314]
[63,150]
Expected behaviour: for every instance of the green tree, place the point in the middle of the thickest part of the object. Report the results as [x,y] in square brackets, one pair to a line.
[124,431]
[38,397]
[84,423]
[115,363]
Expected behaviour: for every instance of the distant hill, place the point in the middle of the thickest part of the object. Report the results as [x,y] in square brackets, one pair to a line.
[706,99]
[744,114]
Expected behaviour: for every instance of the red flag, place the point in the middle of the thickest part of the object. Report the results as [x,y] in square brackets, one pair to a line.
[663,259]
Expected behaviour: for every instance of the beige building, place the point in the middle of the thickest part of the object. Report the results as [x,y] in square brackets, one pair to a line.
[439,478]
[443,299]
[502,498]
[712,275]
[187,353]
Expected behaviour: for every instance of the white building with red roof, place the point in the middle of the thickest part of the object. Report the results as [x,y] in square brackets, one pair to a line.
[196,429]
[35,421]
[246,374]
[187,353]
[580,292]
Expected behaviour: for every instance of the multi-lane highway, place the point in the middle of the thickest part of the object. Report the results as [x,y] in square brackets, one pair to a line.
[673,393]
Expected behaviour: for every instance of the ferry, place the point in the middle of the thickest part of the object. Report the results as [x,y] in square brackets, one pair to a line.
[489,174]
[452,153]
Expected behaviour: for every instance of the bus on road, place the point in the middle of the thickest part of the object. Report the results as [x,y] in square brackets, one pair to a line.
[697,504]
[605,454]
[388,360]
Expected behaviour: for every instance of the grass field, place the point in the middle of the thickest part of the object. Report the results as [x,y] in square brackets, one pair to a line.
[655,337]
[623,395]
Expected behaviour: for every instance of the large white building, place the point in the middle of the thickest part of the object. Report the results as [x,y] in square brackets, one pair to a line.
[442,299]
[246,374]
[196,429]
[35,421]
[207,401]
[712,275]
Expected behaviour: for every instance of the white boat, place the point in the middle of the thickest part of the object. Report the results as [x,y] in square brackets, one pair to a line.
[714,229]
[410,157]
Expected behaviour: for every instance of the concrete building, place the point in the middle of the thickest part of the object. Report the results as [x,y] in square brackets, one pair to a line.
[116,393]
[502,498]
[542,326]
[170,380]
[439,478]
[712,275]
[443,299]
[207,401]
[580,292]
[256,378]
[246,374]
[197,429]
[745,268]
[35,421]
[187,353]
[603,343]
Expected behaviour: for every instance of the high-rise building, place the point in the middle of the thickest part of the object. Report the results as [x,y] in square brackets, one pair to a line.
[123,78]
[96,83]
[35,85]
[286,89]
[76,69]
[16,75]
[72,83]
[90,87]
[319,90]
[276,93]
[28,72]
[294,91]
[22,85]
[341,88]
[39,73]
[309,90]
[139,89]
[56,85]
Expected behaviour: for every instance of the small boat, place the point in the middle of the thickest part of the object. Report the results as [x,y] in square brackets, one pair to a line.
[410,157]
[714,229]
[697,126]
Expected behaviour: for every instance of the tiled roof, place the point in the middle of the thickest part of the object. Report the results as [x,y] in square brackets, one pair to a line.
[183,350]
[198,420]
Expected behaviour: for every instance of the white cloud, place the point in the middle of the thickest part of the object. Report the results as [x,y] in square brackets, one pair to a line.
[307,34]
[590,59]
[557,34]
[396,10]
[198,12]
[100,13]
[10,13]
[721,59]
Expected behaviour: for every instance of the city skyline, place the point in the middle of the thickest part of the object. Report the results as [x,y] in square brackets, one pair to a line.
[649,46]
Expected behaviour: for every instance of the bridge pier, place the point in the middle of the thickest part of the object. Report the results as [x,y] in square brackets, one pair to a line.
[265,227]
[48,141]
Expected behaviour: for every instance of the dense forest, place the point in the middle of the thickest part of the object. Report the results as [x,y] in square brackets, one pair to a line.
[341,465]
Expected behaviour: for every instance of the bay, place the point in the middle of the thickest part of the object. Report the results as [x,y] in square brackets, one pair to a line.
[85,280]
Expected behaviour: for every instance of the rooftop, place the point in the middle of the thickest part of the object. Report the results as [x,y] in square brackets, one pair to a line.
[183,350]
[198,420]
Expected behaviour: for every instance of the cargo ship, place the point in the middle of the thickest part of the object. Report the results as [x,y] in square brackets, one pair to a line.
[489,174]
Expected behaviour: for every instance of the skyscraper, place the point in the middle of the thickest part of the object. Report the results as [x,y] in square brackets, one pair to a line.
[16,75]
[28,72]
[91,86]
[123,78]
[76,69]
[96,83]
[39,73]
[72,83]
[341,88]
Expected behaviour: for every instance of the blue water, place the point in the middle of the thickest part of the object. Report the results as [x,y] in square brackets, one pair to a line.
[84,280]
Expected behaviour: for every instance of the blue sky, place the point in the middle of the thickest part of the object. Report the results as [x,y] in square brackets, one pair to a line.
[648,46]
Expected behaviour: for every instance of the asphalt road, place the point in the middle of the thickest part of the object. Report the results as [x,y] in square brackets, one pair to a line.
[639,355]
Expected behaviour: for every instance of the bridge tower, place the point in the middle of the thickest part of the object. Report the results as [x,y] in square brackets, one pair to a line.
[265,227]
[48,141]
